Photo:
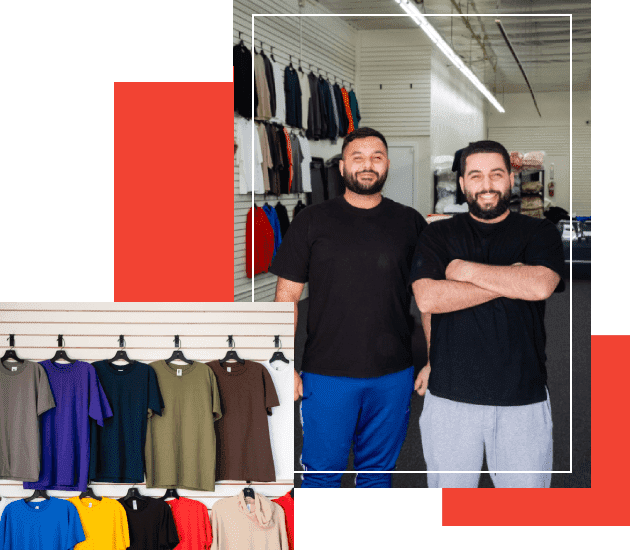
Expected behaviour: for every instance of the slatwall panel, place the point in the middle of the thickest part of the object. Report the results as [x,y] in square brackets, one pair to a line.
[328,45]
[91,333]
[581,171]
[388,63]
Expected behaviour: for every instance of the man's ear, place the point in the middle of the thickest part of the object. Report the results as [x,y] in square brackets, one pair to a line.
[462,185]
[341,165]
[512,180]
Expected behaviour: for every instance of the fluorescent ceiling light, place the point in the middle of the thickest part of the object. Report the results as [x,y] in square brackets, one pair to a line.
[433,35]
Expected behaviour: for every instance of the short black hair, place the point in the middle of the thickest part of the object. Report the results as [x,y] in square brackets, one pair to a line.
[486,146]
[360,133]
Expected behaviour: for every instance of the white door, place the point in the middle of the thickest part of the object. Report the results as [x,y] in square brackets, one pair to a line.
[400,183]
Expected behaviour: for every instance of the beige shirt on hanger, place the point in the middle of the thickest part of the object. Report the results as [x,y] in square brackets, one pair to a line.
[264,109]
[240,524]
[303,79]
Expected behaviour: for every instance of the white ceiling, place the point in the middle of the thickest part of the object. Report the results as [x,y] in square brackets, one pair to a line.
[541,43]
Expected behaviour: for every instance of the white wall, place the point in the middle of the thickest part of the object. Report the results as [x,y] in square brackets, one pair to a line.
[457,111]
[91,333]
[521,129]
[328,45]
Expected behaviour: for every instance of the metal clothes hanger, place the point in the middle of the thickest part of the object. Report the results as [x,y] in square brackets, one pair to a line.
[89,493]
[178,353]
[232,354]
[278,355]
[11,353]
[61,353]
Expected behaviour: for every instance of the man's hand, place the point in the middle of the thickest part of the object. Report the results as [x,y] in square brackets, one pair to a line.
[420,385]
[297,386]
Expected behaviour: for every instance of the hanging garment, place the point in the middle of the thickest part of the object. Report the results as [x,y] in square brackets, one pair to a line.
[263,246]
[347,107]
[325,107]
[271,84]
[266,156]
[279,81]
[273,220]
[248,395]
[305,150]
[151,524]
[277,159]
[291,162]
[283,218]
[297,158]
[300,206]
[334,111]
[192,522]
[318,181]
[65,450]
[48,525]
[248,524]
[314,128]
[181,444]
[354,108]
[104,522]
[242,63]
[293,98]
[117,449]
[334,181]
[287,504]
[284,168]
[25,395]
[305,98]
[341,111]
[264,109]
[283,417]
[248,179]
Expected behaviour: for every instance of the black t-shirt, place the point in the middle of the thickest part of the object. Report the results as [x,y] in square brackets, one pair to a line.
[151,524]
[493,353]
[118,447]
[357,262]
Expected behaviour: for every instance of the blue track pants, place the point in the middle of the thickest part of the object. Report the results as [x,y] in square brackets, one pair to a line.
[370,413]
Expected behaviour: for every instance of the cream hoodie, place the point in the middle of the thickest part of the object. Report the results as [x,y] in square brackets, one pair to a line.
[235,527]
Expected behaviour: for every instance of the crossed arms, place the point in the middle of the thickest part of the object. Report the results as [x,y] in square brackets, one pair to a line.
[470,284]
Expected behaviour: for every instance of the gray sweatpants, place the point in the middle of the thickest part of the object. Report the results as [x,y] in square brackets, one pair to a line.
[455,435]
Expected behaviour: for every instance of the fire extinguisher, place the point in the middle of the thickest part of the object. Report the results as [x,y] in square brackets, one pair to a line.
[551,189]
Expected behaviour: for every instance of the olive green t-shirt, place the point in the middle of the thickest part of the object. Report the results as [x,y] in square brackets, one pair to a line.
[181,446]
[25,394]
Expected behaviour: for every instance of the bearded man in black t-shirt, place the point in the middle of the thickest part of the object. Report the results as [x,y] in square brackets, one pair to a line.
[484,277]
[357,375]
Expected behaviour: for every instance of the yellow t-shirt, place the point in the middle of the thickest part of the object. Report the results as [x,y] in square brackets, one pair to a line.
[104,524]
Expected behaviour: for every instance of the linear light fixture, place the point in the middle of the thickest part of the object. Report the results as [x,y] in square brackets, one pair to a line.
[433,35]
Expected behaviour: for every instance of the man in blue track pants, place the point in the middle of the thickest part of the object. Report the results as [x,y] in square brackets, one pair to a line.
[357,376]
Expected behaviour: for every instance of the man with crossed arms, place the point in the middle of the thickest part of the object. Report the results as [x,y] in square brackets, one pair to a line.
[484,277]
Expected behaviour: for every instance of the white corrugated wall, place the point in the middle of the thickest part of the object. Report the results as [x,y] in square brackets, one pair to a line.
[328,44]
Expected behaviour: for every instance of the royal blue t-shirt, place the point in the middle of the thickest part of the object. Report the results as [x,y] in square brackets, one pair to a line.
[47,525]
[118,447]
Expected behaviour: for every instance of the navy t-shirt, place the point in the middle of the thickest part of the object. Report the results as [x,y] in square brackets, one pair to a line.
[117,451]
[493,353]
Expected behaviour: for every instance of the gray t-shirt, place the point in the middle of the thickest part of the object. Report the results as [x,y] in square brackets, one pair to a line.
[24,395]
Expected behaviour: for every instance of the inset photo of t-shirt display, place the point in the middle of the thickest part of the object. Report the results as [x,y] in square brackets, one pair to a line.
[123,425]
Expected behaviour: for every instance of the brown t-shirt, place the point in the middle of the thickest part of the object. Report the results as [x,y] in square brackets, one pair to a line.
[247,395]
[180,447]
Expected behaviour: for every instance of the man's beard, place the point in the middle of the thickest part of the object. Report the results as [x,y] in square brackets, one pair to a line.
[488,213]
[351,182]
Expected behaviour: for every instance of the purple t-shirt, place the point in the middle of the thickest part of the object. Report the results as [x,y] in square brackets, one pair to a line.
[66,428]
